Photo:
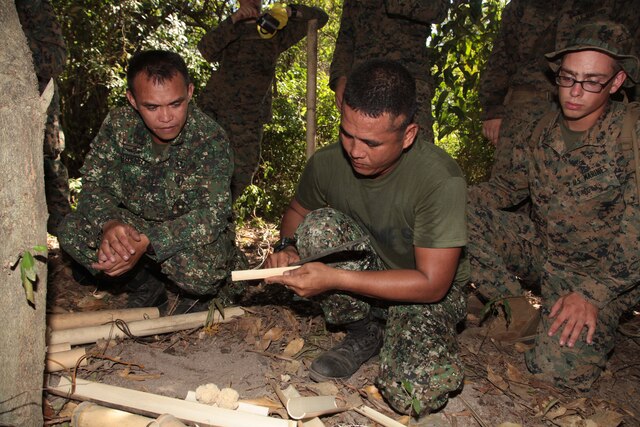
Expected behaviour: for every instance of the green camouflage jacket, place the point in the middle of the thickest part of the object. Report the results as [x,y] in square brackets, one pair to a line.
[390,29]
[180,199]
[241,83]
[584,206]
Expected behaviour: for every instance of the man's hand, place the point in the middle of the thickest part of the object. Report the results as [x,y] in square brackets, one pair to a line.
[249,9]
[491,130]
[284,258]
[121,248]
[309,280]
[575,313]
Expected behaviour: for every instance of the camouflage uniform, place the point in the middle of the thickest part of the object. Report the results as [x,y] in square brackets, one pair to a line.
[238,94]
[420,343]
[583,236]
[390,29]
[516,84]
[44,36]
[179,199]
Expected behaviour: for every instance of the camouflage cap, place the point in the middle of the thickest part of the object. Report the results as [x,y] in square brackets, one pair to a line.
[607,37]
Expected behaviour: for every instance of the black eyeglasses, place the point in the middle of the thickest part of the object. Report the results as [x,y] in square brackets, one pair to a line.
[588,85]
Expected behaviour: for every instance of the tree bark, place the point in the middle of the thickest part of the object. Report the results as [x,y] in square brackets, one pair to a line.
[23,217]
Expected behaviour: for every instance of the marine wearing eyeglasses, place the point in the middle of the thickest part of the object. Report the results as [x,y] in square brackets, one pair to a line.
[581,240]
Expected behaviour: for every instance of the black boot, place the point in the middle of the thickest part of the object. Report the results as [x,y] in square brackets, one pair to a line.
[362,342]
[145,290]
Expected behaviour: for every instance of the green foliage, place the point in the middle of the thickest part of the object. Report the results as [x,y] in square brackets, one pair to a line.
[461,47]
[416,406]
[28,273]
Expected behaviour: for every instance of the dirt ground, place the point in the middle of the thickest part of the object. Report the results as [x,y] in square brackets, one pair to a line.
[250,355]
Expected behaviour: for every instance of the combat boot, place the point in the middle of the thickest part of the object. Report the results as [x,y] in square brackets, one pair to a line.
[145,290]
[362,342]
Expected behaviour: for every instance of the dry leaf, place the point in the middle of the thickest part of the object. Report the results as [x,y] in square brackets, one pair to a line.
[579,404]
[496,379]
[294,347]
[570,421]
[515,374]
[292,367]
[522,347]
[326,388]
[554,413]
[290,318]
[273,334]
[510,425]
[606,418]
[372,392]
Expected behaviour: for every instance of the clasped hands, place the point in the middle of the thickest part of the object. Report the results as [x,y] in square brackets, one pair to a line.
[121,248]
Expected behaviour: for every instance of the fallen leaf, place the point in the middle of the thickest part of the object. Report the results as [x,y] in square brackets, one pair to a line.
[515,374]
[570,421]
[294,347]
[273,334]
[554,413]
[292,367]
[372,392]
[496,379]
[606,418]
[510,425]
[326,388]
[579,404]
[522,347]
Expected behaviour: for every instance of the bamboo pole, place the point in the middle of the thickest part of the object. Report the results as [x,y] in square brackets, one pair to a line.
[152,405]
[94,318]
[312,71]
[260,274]
[141,328]
[55,348]
[378,417]
[64,360]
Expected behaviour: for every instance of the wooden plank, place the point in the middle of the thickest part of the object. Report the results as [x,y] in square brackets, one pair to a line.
[260,274]
[149,404]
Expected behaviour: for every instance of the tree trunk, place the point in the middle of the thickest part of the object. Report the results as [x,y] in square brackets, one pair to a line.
[23,218]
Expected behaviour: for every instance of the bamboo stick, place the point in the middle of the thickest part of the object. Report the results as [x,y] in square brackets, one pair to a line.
[64,360]
[378,417]
[260,274]
[55,348]
[94,318]
[152,404]
[140,328]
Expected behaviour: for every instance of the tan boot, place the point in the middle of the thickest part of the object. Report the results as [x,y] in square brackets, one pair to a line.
[522,325]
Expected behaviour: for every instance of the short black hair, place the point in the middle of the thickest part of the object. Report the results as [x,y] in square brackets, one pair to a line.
[381,86]
[159,65]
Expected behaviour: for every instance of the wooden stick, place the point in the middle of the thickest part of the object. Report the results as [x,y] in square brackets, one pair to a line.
[64,360]
[141,328]
[312,71]
[149,404]
[94,318]
[260,274]
[378,417]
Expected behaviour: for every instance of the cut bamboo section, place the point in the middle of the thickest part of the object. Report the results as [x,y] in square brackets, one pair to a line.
[94,318]
[378,417]
[152,405]
[89,414]
[260,274]
[140,328]
[56,348]
[64,360]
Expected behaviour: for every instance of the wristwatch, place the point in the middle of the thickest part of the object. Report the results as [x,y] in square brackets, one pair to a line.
[283,243]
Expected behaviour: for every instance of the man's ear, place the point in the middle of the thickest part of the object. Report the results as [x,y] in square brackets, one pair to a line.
[409,135]
[618,81]
[132,99]
[189,91]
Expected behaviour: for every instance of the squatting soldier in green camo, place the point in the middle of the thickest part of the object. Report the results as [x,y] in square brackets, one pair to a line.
[155,204]
[49,51]
[389,184]
[581,241]
[238,95]
[391,29]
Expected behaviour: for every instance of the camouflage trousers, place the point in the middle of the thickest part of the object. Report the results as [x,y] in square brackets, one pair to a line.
[245,136]
[504,251]
[420,344]
[197,270]
[516,125]
[56,177]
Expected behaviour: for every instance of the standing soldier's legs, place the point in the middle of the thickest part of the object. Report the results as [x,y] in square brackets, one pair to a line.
[420,347]
[578,366]
[502,245]
[245,136]
[56,178]
[423,116]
